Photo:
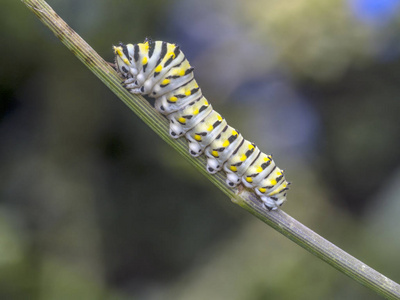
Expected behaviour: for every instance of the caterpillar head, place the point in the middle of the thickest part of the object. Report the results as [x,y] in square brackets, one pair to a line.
[123,61]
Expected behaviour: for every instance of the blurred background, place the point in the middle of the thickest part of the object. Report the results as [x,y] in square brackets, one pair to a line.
[93,205]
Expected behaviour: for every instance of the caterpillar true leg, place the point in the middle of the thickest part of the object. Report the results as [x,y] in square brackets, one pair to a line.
[161,71]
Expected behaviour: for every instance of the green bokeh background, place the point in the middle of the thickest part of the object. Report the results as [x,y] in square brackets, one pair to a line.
[93,205]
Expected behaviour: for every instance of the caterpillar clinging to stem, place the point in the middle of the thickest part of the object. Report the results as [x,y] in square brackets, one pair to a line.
[161,71]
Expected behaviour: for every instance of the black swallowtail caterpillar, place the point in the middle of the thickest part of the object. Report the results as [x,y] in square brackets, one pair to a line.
[161,71]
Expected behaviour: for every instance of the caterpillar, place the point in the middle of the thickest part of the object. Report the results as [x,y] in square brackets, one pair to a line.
[161,71]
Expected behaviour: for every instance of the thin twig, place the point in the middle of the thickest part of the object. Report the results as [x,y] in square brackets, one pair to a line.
[279,220]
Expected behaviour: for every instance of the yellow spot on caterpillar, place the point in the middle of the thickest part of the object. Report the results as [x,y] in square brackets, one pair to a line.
[249,179]
[173,99]
[206,103]
[196,111]
[234,132]
[273,181]
[262,190]
[118,50]
[210,128]
[143,47]
[165,81]
[243,157]
[219,118]
[233,168]
[225,143]
[188,92]
[182,120]
[144,60]
[158,69]
[197,137]
[181,72]
[266,158]
[215,153]
[171,54]
[251,147]
[259,169]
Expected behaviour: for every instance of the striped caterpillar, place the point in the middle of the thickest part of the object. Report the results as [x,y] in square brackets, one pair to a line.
[161,71]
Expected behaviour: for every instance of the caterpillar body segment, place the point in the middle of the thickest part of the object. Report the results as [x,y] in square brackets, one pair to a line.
[178,98]
[220,149]
[161,71]
[237,165]
[188,117]
[205,132]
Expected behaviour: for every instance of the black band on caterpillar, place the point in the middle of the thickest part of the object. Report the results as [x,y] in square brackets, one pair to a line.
[161,71]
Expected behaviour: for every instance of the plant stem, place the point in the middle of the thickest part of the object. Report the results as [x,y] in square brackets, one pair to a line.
[279,220]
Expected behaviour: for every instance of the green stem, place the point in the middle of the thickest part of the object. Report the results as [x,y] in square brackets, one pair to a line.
[279,220]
